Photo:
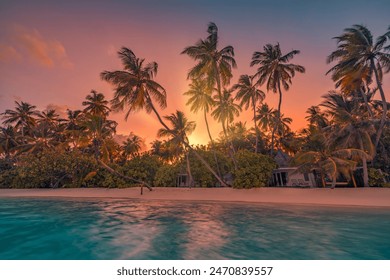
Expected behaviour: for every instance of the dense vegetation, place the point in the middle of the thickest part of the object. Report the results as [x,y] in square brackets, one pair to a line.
[350,128]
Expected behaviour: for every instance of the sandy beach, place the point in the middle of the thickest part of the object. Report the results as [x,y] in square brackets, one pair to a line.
[372,197]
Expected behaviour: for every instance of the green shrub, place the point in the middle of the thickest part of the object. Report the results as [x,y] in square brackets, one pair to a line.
[254,170]
[166,176]
[376,177]
[142,168]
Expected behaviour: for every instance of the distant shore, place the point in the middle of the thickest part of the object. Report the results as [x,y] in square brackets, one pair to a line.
[371,197]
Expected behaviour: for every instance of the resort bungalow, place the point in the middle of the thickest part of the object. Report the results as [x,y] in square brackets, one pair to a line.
[291,177]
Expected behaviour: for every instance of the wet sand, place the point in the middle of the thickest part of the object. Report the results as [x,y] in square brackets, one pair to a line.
[372,197]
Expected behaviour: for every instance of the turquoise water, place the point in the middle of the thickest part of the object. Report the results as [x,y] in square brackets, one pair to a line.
[130,229]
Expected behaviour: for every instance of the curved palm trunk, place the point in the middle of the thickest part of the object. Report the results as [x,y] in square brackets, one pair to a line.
[384,105]
[364,162]
[254,120]
[113,171]
[188,146]
[191,180]
[334,181]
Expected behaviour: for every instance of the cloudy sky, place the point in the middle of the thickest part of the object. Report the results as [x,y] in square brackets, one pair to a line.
[51,54]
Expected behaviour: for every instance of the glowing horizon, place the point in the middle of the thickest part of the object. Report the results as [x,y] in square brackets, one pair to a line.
[53,53]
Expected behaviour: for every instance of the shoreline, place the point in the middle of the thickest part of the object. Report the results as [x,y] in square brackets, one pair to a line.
[366,197]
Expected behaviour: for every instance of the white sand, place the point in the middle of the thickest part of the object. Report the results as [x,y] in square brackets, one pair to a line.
[373,197]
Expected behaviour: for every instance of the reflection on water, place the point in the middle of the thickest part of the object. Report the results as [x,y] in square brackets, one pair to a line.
[129,229]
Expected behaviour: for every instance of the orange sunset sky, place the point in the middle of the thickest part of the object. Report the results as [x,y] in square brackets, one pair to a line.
[51,54]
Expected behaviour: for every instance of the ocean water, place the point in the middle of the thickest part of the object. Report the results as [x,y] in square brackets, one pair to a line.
[86,229]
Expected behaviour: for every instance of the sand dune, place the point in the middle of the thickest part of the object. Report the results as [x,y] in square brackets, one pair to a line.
[376,197]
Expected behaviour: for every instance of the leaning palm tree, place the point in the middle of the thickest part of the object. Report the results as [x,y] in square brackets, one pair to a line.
[357,51]
[213,65]
[135,90]
[96,104]
[23,117]
[349,129]
[330,162]
[181,127]
[276,71]
[249,95]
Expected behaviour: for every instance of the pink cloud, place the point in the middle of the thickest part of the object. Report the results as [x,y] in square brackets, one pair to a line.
[29,43]
[9,53]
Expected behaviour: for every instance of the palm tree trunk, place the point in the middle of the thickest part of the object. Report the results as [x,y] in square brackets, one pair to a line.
[384,105]
[254,120]
[191,180]
[366,103]
[334,181]
[212,143]
[111,170]
[353,180]
[187,145]
[364,161]
[219,88]
[277,121]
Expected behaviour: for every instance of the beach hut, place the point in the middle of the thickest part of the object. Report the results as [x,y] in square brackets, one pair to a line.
[291,177]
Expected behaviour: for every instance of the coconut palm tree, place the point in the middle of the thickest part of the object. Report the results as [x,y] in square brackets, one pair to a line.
[41,137]
[276,72]
[132,146]
[357,51]
[200,98]
[181,127]
[96,104]
[349,129]
[23,117]
[8,140]
[264,115]
[226,109]
[330,162]
[249,95]
[316,117]
[135,90]
[213,65]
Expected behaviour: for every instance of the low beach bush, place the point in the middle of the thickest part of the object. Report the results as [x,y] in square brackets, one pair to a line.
[254,170]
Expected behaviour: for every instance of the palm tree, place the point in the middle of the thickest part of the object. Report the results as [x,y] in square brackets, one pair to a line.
[8,140]
[249,95]
[357,51]
[132,146]
[181,127]
[316,117]
[95,104]
[41,137]
[200,99]
[23,117]
[264,115]
[276,71]
[49,118]
[213,65]
[135,90]
[226,109]
[331,162]
[349,129]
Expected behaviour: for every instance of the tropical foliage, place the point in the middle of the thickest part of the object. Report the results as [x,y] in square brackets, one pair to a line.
[347,133]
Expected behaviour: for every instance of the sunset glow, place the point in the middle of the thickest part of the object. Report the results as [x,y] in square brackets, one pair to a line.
[51,54]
